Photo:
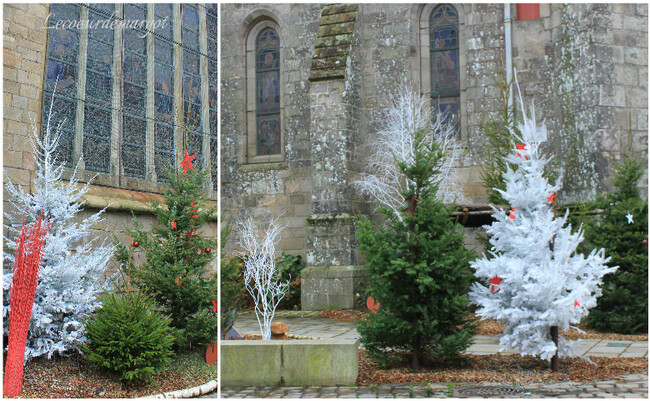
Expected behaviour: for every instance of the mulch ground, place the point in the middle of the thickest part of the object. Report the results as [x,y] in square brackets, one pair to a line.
[73,377]
[500,369]
[491,327]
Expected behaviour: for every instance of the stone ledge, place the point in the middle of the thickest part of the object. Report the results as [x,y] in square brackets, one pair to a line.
[263,166]
[301,363]
[330,217]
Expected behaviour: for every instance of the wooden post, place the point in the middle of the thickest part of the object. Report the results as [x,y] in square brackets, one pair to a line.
[555,360]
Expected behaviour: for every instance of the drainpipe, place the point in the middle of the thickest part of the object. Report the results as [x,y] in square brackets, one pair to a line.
[507,21]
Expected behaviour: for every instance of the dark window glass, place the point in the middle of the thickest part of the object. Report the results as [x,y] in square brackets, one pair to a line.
[61,72]
[445,70]
[267,55]
[192,125]
[97,139]
[164,149]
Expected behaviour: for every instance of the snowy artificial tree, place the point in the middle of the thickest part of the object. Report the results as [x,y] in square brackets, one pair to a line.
[537,284]
[73,261]
[261,275]
[385,181]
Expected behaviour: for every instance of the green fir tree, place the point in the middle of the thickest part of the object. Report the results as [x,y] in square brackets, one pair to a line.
[176,268]
[622,230]
[419,271]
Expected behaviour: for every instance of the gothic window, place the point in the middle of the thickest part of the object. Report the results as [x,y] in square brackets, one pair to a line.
[134,94]
[193,135]
[444,62]
[267,55]
[213,80]
[164,154]
[125,101]
[61,72]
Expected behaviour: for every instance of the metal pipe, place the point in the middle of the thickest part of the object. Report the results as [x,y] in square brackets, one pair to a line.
[507,22]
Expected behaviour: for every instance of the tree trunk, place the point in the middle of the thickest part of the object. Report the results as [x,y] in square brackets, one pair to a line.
[415,361]
[555,360]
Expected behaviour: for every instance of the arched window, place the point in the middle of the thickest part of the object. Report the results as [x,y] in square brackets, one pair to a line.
[267,77]
[444,59]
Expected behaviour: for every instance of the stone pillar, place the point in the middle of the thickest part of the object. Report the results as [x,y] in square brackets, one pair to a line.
[333,277]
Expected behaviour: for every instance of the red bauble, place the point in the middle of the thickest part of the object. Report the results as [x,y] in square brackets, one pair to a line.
[136,244]
[208,250]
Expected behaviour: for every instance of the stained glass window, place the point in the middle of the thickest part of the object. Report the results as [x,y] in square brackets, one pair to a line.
[134,92]
[61,72]
[164,155]
[99,90]
[213,83]
[193,131]
[445,71]
[93,84]
[267,55]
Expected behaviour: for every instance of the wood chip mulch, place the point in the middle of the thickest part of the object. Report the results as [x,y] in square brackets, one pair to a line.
[500,369]
[72,377]
[491,327]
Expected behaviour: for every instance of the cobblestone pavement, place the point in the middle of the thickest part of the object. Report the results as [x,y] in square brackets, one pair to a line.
[629,386]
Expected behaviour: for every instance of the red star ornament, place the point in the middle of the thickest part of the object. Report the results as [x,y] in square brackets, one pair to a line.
[187,162]
[214,306]
[173,224]
[495,281]
[551,198]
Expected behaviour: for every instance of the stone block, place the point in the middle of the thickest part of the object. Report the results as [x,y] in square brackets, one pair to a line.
[289,362]
[238,356]
[320,363]
[331,286]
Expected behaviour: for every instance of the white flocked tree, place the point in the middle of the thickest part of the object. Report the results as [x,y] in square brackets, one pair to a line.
[537,284]
[261,275]
[407,115]
[73,261]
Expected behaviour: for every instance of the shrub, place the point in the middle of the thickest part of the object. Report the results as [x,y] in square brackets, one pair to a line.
[128,335]
[290,267]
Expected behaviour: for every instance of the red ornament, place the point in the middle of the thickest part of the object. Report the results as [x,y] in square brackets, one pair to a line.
[208,250]
[136,244]
[512,213]
[521,147]
[373,306]
[173,224]
[194,210]
[214,306]
[178,282]
[576,304]
[495,281]
[187,162]
[551,198]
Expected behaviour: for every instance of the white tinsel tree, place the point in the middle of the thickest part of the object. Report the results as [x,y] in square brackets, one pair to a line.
[261,275]
[536,280]
[73,261]
[394,144]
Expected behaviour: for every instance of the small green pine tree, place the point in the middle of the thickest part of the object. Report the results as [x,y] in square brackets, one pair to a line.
[623,307]
[175,272]
[419,271]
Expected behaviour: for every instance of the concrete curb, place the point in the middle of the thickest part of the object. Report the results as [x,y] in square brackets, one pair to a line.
[188,392]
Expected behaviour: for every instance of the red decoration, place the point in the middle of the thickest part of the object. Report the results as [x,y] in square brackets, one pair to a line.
[208,250]
[526,11]
[23,289]
[194,210]
[178,282]
[512,213]
[173,224]
[373,306]
[495,281]
[136,244]
[214,306]
[551,198]
[211,354]
[576,304]
[187,162]
[521,147]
